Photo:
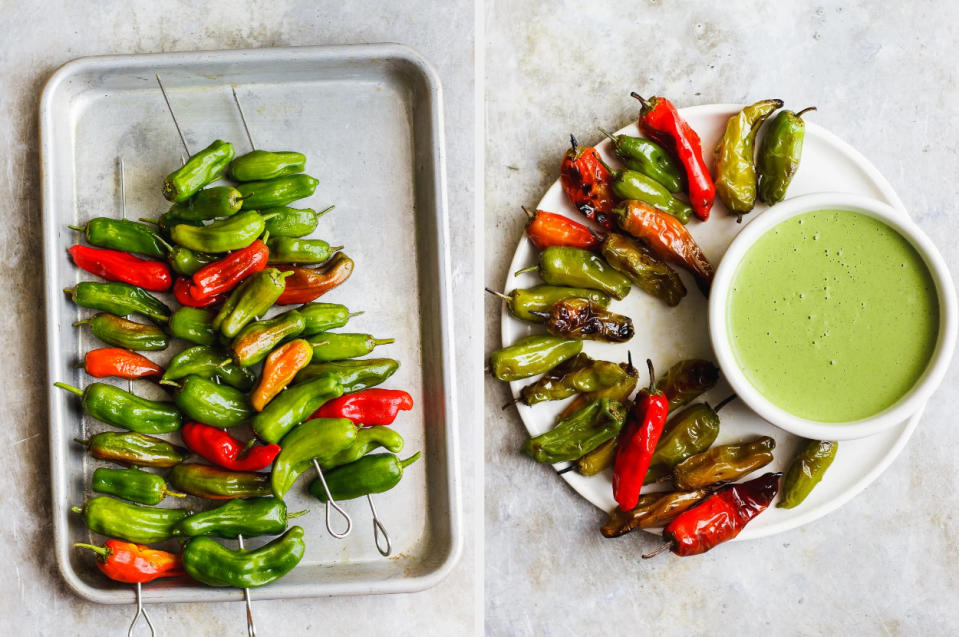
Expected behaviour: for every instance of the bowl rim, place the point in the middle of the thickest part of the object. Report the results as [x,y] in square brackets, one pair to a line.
[939,361]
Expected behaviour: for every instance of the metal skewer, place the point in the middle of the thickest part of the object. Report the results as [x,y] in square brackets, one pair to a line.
[250,623]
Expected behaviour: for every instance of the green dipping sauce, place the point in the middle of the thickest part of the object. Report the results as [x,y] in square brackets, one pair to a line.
[832,315]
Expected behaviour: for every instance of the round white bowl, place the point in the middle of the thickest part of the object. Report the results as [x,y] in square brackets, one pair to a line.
[895,413]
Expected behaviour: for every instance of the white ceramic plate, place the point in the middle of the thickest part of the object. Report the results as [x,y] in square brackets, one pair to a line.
[668,335]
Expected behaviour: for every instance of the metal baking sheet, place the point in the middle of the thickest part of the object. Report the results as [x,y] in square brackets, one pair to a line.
[369,118]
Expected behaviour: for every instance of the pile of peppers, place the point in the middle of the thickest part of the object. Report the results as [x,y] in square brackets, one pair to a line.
[227,255]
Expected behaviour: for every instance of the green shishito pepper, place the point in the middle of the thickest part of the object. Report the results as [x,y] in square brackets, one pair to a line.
[779,154]
[257,339]
[292,222]
[647,271]
[351,375]
[232,233]
[263,164]
[209,203]
[280,191]
[132,484]
[113,330]
[214,483]
[649,158]
[367,439]
[530,303]
[532,355]
[579,434]
[632,185]
[130,522]
[249,518]
[124,235]
[691,431]
[575,375]
[319,438]
[561,265]
[204,401]
[375,473]
[120,299]
[293,406]
[131,448]
[193,324]
[209,562]
[207,362]
[287,250]
[187,262]
[806,470]
[686,380]
[320,317]
[333,346]
[251,299]
[202,168]
[120,408]
[735,170]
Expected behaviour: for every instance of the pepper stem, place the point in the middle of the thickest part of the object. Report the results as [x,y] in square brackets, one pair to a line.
[652,376]
[607,133]
[566,469]
[639,97]
[285,274]
[222,364]
[352,314]
[656,552]
[525,270]
[572,140]
[806,110]
[269,216]
[82,441]
[725,402]
[167,381]
[173,494]
[69,291]
[499,294]
[69,388]
[79,323]
[528,213]
[336,248]
[265,237]
[77,228]
[297,514]
[169,248]
[76,509]
[629,363]
[102,551]
[410,460]
[320,214]
[383,341]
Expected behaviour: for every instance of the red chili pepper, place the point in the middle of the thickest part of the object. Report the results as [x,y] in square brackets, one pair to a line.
[368,407]
[587,182]
[120,363]
[547,229]
[222,276]
[637,442]
[134,563]
[661,122]
[720,517]
[224,450]
[114,265]
[181,290]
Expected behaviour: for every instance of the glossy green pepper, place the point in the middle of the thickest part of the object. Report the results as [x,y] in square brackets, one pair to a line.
[647,271]
[120,408]
[202,168]
[209,203]
[367,439]
[207,561]
[193,324]
[352,375]
[249,518]
[581,319]
[320,317]
[574,375]
[264,164]
[635,186]
[779,154]
[528,304]
[120,299]
[735,171]
[257,339]
[320,438]
[132,484]
[214,483]
[725,463]
[649,158]
[293,406]
[579,434]
[132,448]
[292,222]
[250,300]
[232,233]
[686,380]
[652,511]
[217,405]
[130,522]
[187,262]
[207,362]
[288,250]
[335,346]
[559,265]
[124,235]
[532,355]
[113,330]
[806,470]
[375,473]
[280,191]
[691,431]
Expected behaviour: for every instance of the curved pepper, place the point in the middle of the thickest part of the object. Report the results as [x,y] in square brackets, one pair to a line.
[186,261]
[182,292]
[259,338]
[114,265]
[320,317]
[250,300]
[280,191]
[335,346]
[293,406]
[367,439]
[210,203]
[127,521]
[132,484]
[579,374]
[649,158]
[320,439]
[265,164]
[292,222]
[368,407]
[210,563]
[546,229]
[303,251]
[117,362]
[352,375]
[579,434]
[376,473]
[113,330]
[207,362]
[641,266]
[724,463]
[691,431]
[528,304]
[308,284]
[580,319]
[280,368]
[202,168]
[779,154]
[634,185]
[232,233]
[212,404]
[222,449]
[806,471]
[586,181]
[532,355]
[120,299]
[222,276]
[653,510]
[134,563]
[131,448]
[249,518]
[215,483]
[194,325]
[582,268]
[735,170]
[123,235]
[120,408]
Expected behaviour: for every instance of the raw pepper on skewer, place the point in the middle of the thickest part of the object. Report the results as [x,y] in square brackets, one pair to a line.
[209,562]
[128,521]
[222,276]
[320,439]
[209,203]
[308,284]
[207,362]
[193,324]
[367,439]
[231,233]
[200,169]
[587,182]
[279,370]
[546,229]
[259,338]
[368,407]
[123,235]
[293,406]
[279,191]
[114,265]
[352,375]
[250,300]
[288,250]
[131,448]
[117,362]
[134,563]
[292,222]
[113,330]
[120,408]
[250,518]
[337,346]
[208,402]
[321,317]
[264,164]
[215,483]
[219,447]
[133,484]
[182,292]
[187,262]
[120,299]
[370,474]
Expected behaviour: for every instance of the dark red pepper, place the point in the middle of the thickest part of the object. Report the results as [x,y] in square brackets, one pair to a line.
[368,407]
[114,265]
[118,362]
[181,290]
[587,182]
[223,450]
[547,229]
[222,276]
[637,442]
[661,122]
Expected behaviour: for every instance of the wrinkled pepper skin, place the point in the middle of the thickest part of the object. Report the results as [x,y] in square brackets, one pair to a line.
[369,407]
[207,362]
[579,434]
[128,521]
[124,235]
[225,274]
[232,233]
[336,346]
[134,563]
[292,222]
[688,433]
[320,438]
[620,391]
[120,408]
[220,448]
[293,406]
[188,262]
[633,185]
[735,170]
[117,362]
[581,268]
[578,374]
[215,483]
[290,250]
[132,484]
[249,518]
[130,448]
[779,154]
[351,375]
[122,267]
[259,338]
[210,563]
[806,471]
[650,159]
[375,473]
[280,191]
[194,325]
[653,510]
[264,164]
[367,439]
[250,300]
[113,330]
[532,355]
[641,266]
[687,380]
[309,284]
[120,299]
[637,443]
[279,370]
[580,319]
[528,304]
[320,317]
[202,168]
[546,229]
[204,401]
[724,463]
[586,180]
[210,203]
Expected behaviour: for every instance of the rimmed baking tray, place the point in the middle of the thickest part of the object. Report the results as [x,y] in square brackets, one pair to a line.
[369,118]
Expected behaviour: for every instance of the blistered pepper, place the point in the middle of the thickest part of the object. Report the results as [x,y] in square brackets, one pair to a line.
[222,276]
[634,185]
[128,521]
[208,562]
[131,448]
[134,563]
[114,265]
[204,401]
[532,355]
[375,473]
[574,437]
[581,268]
[203,167]
[214,483]
[217,446]
[620,391]
[265,164]
[586,180]
[292,222]
[779,154]
[686,380]
[580,319]
[308,284]
[691,431]
[293,406]
[525,304]
[320,439]
[724,463]
[287,250]
[352,375]
[735,170]
[575,375]
[133,484]
[182,292]
[120,408]
[120,299]
[653,510]
[123,235]
[113,330]
[546,229]
[368,407]
[232,233]
[259,338]
[194,325]
[649,158]
[117,362]
[207,362]
[806,470]
[279,191]
[249,518]
[280,368]
[250,300]
[335,346]
[641,266]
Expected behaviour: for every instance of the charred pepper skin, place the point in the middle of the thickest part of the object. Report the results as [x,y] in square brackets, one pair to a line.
[264,164]
[250,518]
[580,319]
[202,168]
[194,325]
[724,463]
[686,380]
[581,268]
[579,374]
[735,170]
[132,484]
[120,408]
[124,235]
[120,299]
[293,406]
[208,562]
[207,362]
[546,229]
[232,233]
[130,448]
[215,483]
[280,191]
[579,434]
[120,332]
[648,158]
[352,375]
[688,433]
[128,521]
[375,473]
[217,405]
[653,510]
[309,284]
[631,184]
[641,266]
[527,304]
[532,355]
[586,180]
[806,471]
[779,154]
[320,438]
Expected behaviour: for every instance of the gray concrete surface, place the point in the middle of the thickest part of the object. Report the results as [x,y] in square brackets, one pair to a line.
[884,79]
[39,37]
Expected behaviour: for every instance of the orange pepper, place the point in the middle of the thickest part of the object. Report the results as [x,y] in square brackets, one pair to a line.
[279,369]
[134,563]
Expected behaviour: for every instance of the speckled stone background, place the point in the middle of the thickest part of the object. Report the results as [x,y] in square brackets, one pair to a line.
[39,37]
[884,79]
